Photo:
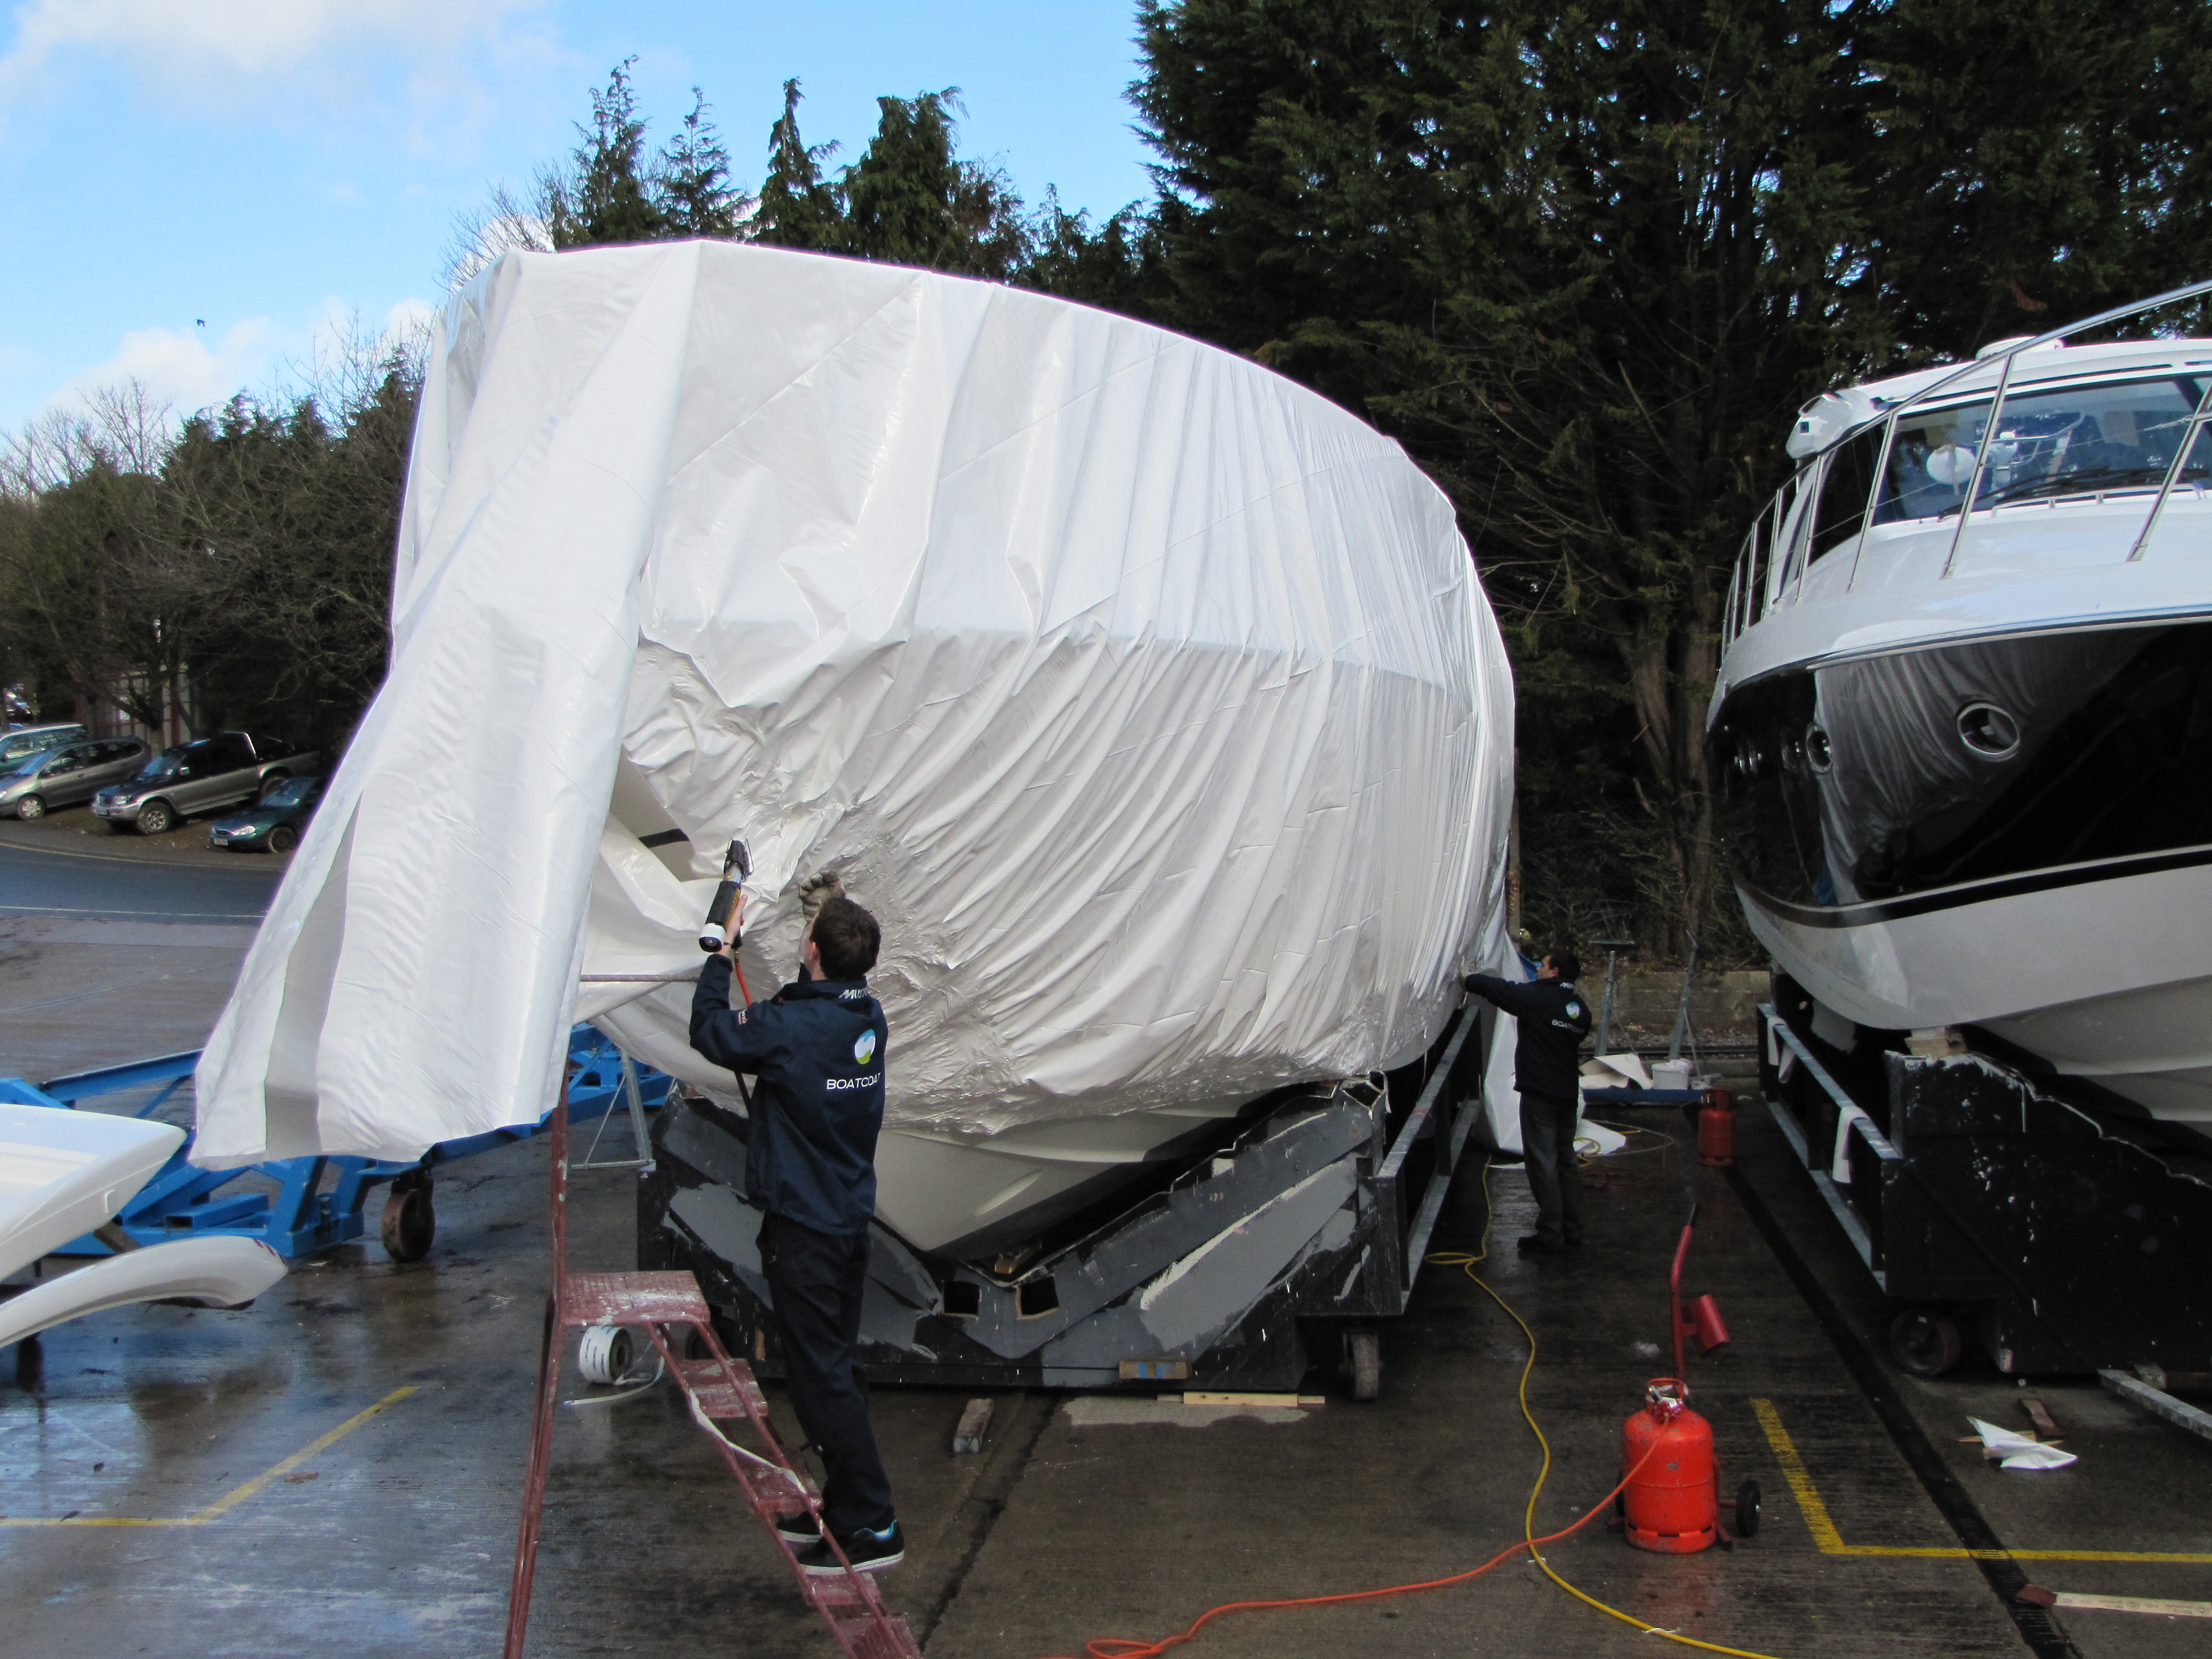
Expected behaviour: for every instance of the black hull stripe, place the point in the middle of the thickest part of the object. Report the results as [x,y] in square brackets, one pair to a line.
[1980,892]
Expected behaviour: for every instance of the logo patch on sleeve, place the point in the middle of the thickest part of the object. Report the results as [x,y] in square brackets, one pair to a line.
[864,1049]
[1574,1011]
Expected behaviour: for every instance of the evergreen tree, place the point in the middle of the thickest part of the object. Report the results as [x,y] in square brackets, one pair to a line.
[605,198]
[691,183]
[798,208]
[909,201]
[1587,265]
[1118,266]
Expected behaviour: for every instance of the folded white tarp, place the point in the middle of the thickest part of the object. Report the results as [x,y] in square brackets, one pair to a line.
[1149,699]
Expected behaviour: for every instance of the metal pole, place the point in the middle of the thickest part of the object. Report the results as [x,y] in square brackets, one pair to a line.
[1874,501]
[641,1133]
[549,1388]
[1682,1007]
[1612,947]
[1981,461]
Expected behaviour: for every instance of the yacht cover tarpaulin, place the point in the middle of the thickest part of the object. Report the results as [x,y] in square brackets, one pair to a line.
[1149,699]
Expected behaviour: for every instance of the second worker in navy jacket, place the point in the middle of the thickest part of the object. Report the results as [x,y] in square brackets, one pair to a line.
[1552,1019]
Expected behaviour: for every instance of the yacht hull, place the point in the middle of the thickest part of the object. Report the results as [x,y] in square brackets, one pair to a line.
[2106,977]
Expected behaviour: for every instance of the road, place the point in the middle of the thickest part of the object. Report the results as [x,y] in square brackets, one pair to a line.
[56,884]
[105,958]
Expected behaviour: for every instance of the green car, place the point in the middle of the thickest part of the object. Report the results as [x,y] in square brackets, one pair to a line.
[273,826]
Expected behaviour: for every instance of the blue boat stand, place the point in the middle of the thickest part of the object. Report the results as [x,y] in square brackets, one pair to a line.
[310,1211]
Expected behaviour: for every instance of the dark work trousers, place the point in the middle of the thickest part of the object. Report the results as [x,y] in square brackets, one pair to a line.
[1547,1145]
[816,1279]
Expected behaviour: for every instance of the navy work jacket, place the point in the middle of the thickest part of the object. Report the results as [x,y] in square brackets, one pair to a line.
[1553,1019]
[817,1048]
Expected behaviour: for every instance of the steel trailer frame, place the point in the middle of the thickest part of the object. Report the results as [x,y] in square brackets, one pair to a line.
[2051,1232]
[1314,1215]
[319,1201]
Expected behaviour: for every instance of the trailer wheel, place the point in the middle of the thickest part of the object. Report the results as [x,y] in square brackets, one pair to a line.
[1363,1354]
[410,1222]
[1925,1342]
[1747,1510]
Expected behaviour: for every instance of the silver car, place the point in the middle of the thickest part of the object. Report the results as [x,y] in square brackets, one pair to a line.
[232,768]
[66,775]
[19,743]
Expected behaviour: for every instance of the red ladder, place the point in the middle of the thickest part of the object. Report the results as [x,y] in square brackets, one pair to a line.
[719,1389]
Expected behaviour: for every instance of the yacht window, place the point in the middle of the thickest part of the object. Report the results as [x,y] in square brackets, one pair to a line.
[2197,468]
[2073,440]
[1931,460]
[1841,511]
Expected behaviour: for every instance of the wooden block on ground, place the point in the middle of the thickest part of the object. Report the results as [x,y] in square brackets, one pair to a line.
[975,1424]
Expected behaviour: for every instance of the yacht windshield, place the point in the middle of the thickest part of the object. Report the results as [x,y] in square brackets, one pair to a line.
[2073,440]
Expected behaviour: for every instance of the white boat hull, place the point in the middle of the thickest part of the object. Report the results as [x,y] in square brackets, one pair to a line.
[2065,972]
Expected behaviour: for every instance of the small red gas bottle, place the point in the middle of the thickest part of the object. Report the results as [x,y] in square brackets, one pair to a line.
[1671,1501]
[1716,1129]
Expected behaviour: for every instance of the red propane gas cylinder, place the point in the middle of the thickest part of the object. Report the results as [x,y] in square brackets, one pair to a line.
[1716,1129]
[1672,1503]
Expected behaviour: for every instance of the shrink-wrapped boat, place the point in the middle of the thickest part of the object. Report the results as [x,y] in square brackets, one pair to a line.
[1149,700]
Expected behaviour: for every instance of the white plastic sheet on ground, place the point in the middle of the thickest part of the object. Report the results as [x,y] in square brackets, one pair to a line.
[1148,699]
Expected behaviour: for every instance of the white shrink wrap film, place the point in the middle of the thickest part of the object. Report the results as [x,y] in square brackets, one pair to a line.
[1148,699]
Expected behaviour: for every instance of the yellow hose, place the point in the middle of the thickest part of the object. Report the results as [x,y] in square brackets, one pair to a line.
[1468,1264]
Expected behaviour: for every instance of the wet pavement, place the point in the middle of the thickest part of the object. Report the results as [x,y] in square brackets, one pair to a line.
[169,1480]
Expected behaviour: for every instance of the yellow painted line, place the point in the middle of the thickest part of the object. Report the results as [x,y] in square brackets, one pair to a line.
[236,1495]
[1830,1541]
[1817,1519]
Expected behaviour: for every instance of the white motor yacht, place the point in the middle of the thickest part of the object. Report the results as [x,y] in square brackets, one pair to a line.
[1964,712]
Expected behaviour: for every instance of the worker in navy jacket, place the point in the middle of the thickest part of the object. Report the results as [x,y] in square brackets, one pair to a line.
[818,1047]
[1552,1020]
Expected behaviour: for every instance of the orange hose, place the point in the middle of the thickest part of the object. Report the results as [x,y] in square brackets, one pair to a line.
[1122,1647]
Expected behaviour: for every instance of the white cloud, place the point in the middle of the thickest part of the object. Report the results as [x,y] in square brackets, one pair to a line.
[212,49]
[411,316]
[189,370]
[181,368]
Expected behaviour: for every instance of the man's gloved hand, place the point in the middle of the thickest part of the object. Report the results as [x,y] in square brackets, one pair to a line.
[816,891]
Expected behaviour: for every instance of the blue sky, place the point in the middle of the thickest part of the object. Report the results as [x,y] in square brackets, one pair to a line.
[278,167]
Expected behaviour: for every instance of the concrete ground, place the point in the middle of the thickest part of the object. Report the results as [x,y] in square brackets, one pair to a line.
[339,1468]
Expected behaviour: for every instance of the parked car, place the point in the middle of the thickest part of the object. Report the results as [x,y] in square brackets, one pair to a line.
[65,775]
[25,741]
[203,776]
[274,826]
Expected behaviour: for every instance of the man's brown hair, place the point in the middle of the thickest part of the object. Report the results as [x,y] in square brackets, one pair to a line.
[848,938]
